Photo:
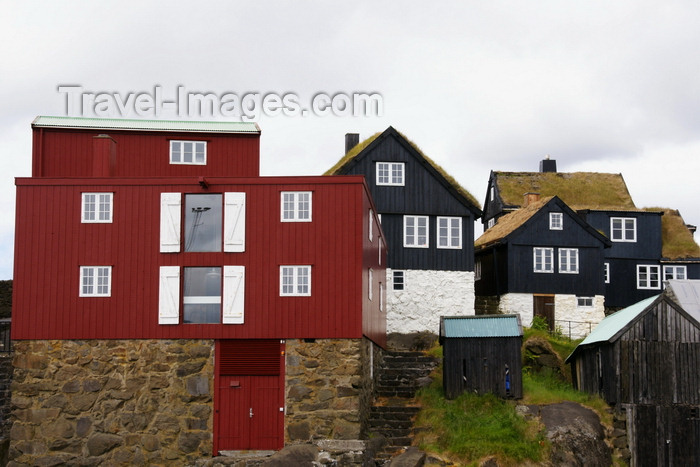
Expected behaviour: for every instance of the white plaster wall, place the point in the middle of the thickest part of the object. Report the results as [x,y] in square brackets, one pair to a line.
[571,319]
[427,295]
[575,321]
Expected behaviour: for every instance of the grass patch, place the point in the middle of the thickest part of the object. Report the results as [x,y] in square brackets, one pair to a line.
[472,427]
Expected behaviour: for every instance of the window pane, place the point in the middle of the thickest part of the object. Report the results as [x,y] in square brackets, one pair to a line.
[202,296]
[203,222]
[199,153]
[88,281]
[187,152]
[89,207]
[176,151]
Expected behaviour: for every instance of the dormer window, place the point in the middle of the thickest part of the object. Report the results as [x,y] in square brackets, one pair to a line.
[390,173]
[188,152]
[556,221]
[623,229]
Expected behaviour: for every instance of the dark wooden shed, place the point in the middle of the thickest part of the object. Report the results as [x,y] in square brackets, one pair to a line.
[644,361]
[482,354]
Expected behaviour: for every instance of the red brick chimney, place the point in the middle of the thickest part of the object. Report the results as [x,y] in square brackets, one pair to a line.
[530,198]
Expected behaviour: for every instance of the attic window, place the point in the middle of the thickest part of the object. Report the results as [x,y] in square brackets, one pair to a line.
[188,152]
[556,221]
[390,173]
[675,272]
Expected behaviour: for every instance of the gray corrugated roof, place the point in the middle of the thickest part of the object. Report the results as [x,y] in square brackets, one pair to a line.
[151,125]
[687,294]
[482,326]
[612,324]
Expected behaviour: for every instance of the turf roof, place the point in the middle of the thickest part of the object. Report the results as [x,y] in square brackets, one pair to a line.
[677,241]
[579,190]
[509,223]
[355,151]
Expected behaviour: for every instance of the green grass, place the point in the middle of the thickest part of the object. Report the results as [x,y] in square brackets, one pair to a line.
[472,426]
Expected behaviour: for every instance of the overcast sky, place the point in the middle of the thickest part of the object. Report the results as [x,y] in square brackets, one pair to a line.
[599,86]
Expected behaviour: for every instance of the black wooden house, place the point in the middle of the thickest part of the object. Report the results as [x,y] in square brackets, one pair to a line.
[542,260]
[648,245]
[482,354]
[428,219]
[644,361]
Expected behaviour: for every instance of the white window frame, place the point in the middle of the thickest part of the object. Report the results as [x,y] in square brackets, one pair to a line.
[491,223]
[543,252]
[556,221]
[567,256]
[296,273]
[381,297]
[370,283]
[585,302]
[416,220]
[402,282]
[390,173]
[177,152]
[294,211]
[448,237]
[95,281]
[371,225]
[671,272]
[647,283]
[477,270]
[606,272]
[619,234]
[96,208]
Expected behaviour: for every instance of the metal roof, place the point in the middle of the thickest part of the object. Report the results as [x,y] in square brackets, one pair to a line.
[481,326]
[687,294]
[612,324]
[150,125]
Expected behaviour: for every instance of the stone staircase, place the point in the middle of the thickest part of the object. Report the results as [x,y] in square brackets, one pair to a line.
[399,377]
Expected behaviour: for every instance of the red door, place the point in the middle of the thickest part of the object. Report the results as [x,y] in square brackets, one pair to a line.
[249,407]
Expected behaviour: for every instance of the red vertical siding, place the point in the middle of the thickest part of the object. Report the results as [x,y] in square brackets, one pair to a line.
[69,153]
[51,244]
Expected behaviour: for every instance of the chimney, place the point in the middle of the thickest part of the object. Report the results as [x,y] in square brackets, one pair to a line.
[548,165]
[351,140]
[104,155]
[530,198]
[692,228]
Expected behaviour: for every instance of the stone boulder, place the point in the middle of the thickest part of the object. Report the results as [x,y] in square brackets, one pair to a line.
[576,435]
[540,357]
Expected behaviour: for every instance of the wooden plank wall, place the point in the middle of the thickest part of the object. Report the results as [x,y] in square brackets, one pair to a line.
[478,364]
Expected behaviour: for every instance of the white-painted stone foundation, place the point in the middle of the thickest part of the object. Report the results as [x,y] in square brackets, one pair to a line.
[569,318]
[427,295]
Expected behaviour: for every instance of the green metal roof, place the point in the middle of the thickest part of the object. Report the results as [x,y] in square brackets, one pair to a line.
[150,125]
[613,324]
[482,326]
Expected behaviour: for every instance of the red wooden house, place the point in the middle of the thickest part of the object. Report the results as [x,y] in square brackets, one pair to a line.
[151,230]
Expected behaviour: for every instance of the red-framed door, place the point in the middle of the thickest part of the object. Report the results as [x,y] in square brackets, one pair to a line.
[249,401]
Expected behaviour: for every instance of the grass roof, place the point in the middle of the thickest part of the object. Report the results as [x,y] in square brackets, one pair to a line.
[579,190]
[677,241]
[357,149]
[509,223]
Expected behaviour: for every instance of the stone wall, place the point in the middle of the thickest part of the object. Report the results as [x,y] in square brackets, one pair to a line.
[427,295]
[572,320]
[328,384]
[116,402]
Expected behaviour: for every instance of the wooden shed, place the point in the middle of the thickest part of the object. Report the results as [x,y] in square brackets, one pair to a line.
[644,360]
[482,354]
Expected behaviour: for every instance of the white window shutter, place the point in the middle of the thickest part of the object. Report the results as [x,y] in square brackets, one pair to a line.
[170,213]
[169,296]
[234,294]
[234,222]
